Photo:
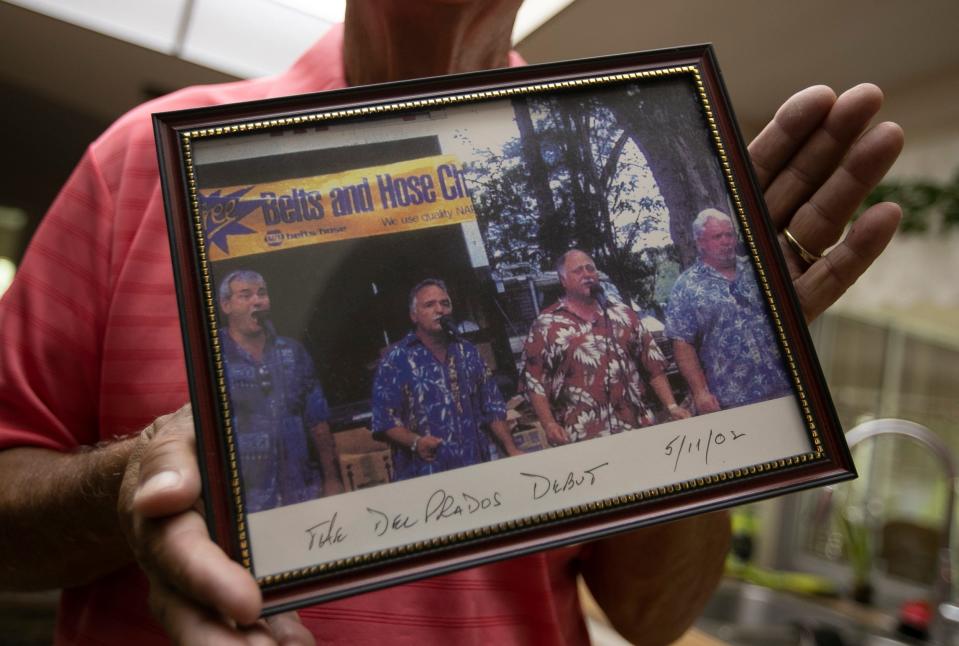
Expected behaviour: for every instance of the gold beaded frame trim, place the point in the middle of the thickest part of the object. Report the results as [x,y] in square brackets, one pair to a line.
[510,526]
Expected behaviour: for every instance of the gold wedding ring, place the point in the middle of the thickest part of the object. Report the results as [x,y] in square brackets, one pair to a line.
[803,253]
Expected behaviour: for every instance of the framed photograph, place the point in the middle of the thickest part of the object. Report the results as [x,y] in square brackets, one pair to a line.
[437,323]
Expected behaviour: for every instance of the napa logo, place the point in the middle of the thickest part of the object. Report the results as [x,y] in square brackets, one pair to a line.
[274,237]
[222,215]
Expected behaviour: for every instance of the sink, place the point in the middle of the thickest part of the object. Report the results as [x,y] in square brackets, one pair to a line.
[744,614]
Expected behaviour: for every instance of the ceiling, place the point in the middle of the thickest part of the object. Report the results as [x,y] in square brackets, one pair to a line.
[62,83]
[768,49]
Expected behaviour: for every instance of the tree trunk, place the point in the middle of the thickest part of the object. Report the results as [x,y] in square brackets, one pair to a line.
[667,123]
[584,225]
[537,173]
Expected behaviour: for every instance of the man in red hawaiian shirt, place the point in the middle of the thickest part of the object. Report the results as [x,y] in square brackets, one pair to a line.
[580,361]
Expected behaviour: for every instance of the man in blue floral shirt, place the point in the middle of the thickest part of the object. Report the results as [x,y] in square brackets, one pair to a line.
[433,396]
[723,341]
[278,408]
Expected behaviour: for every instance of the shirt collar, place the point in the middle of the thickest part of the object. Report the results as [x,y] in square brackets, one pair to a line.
[709,270]
[563,306]
[232,347]
[411,340]
[321,66]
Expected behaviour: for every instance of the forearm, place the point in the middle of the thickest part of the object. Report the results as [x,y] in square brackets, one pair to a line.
[654,582]
[402,436]
[503,436]
[541,407]
[555,433]
[58,515]
[688,363]
[663,391]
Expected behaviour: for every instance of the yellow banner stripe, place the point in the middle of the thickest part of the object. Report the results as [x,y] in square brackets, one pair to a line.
[380,200]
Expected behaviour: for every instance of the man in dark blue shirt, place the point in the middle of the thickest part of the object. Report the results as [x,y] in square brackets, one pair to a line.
[276,403]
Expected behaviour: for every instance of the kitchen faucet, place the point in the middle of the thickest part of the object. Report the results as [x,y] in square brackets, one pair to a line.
[947,613]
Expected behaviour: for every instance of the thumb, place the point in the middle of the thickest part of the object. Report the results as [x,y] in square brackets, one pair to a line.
[165,478]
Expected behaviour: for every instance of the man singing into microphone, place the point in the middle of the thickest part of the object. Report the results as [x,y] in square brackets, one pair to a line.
[581,361]
[434,399]
[277,406]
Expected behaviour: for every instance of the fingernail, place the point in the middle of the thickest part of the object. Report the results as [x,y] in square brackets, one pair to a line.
[158,483]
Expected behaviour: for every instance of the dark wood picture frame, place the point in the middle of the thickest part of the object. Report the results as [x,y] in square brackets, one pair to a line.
[182,137]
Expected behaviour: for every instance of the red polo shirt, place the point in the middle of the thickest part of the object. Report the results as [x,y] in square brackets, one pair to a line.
[90,349]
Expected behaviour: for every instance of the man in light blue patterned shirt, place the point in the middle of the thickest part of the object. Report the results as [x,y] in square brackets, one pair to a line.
[433,396]
[723,340]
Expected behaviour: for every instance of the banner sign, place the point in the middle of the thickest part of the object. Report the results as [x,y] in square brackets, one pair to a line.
[415,194]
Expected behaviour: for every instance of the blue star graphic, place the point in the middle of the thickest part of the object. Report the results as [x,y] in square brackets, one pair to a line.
[222,214]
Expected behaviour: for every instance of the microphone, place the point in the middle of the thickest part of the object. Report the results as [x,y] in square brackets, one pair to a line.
[264,318]
[448,325]
[597,292]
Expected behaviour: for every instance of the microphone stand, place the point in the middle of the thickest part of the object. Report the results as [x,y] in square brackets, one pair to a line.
[265,320]
[449,326]
[599,295]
